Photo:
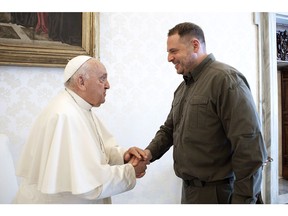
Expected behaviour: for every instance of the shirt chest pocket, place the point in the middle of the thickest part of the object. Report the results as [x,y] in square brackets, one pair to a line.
[197,111]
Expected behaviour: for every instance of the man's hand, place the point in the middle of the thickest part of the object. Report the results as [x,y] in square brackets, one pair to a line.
[134,155]
[140,168]
[139,159]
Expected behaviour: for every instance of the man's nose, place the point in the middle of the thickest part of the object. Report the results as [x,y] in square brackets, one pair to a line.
[107,85]
[170,57]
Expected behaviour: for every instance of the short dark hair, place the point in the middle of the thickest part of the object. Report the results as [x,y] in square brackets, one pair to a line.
[189,29]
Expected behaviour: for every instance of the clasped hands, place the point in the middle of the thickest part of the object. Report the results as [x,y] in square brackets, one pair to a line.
[139,158]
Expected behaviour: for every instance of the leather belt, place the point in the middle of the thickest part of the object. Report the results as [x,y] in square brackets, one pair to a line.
[199,183]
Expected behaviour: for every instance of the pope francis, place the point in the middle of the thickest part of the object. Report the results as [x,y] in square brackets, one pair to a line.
[69,156]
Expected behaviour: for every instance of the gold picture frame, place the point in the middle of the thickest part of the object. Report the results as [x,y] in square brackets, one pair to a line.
[53,55]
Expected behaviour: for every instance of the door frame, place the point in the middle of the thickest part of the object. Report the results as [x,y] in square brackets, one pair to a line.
[268,103]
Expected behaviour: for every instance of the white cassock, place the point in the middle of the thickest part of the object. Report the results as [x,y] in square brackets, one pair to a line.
[71,158]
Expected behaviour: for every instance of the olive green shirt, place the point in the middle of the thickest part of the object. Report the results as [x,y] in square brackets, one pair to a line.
[214,129]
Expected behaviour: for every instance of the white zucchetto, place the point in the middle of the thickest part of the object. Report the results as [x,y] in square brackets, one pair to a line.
[73,65]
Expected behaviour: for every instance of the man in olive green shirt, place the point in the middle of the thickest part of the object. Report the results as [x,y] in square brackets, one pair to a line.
[213,126]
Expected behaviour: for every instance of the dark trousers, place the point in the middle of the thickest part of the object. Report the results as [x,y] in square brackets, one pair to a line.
[207,194]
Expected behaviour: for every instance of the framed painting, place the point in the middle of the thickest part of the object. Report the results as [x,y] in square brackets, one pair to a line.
[47,39]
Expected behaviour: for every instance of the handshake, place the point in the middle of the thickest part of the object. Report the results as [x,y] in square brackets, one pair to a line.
[139,158]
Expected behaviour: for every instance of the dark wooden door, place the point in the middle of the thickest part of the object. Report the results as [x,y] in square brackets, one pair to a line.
[284,99]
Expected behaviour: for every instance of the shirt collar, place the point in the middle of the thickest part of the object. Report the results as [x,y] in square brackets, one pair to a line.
[80,101]
[194,75]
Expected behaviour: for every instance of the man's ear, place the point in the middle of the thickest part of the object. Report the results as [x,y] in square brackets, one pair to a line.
[81,82]
[196,44]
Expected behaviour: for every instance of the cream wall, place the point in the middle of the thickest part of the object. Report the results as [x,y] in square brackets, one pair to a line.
[133,48]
